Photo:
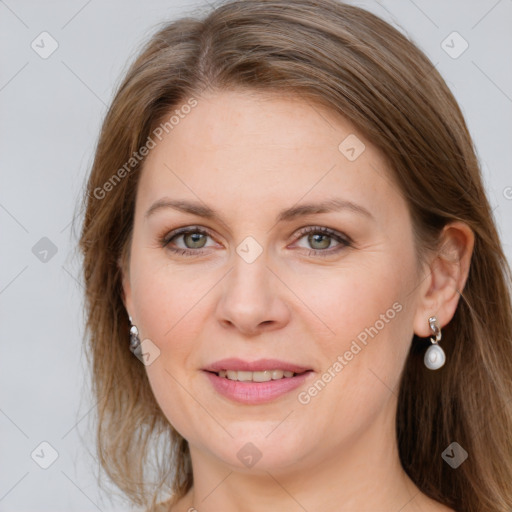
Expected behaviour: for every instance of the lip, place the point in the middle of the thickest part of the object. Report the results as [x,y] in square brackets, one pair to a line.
[254,393]
[255,366]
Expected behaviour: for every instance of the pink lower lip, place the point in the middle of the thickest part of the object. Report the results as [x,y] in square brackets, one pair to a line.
[255,392]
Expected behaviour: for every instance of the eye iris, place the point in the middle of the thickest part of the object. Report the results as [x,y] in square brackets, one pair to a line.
[318,238]
[194,237]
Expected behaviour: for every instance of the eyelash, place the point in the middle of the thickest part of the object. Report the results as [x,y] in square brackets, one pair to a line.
[344,240]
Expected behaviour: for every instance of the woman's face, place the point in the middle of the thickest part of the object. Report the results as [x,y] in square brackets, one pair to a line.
[272,274]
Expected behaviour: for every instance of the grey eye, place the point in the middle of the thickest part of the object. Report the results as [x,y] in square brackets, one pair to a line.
[319,240]
[196,240]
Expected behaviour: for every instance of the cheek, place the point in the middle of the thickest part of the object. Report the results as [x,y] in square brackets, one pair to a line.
[165,298]
[368,309]
[351,300]
[363,360]
[167,302]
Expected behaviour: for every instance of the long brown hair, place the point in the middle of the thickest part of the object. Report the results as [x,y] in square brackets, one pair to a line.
[360,67]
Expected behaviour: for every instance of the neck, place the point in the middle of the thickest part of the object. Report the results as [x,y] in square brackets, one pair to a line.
[362,473]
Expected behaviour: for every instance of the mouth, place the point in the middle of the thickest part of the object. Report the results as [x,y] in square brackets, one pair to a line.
[257,376]
[256,382]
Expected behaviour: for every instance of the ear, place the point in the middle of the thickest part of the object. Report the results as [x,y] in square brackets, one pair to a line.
[447,273]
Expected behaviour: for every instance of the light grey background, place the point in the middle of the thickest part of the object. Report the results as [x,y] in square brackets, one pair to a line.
[51,110]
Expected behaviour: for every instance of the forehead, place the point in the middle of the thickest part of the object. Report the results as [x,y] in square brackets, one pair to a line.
[246,120]
[261,149]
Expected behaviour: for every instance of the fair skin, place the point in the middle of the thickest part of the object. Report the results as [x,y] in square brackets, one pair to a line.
[248,157]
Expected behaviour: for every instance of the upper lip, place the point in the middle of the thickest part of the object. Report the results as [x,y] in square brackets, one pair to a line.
[254,366]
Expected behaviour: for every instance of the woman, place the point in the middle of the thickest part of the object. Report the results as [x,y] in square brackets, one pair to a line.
[296,293]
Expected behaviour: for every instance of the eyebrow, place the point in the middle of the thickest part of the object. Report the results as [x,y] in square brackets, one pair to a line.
[286,215]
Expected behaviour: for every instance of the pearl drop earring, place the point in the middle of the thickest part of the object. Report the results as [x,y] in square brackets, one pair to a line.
[434,356]
[134,338]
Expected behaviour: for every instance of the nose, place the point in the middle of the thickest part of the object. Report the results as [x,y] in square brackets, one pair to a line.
[253,298]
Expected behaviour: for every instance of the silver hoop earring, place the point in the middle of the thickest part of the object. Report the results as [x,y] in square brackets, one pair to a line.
[134,338]
[434,356]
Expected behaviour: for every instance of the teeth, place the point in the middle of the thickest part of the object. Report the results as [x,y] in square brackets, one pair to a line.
[263,376]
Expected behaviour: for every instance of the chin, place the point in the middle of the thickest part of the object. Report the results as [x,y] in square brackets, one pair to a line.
[259,454]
